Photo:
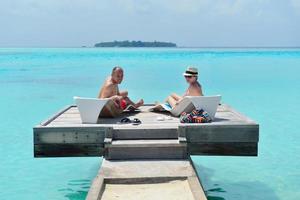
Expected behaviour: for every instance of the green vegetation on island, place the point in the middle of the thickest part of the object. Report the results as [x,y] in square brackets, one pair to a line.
[127,43]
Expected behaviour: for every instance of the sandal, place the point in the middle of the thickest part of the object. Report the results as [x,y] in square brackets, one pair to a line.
[125,120]
[136,121]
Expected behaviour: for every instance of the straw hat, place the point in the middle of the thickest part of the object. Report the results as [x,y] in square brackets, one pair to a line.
[191,71]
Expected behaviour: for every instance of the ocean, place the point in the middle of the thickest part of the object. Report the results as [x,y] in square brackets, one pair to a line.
[263,84]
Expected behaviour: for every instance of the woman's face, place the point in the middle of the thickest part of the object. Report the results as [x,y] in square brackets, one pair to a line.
[190,79]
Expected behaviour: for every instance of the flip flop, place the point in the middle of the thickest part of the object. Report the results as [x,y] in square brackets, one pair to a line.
[125,120]
[136,121]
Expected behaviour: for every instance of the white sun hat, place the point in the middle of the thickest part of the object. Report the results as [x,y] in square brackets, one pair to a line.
[191,71]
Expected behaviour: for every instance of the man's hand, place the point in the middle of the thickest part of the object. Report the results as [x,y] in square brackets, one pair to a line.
[124,93]
[116,99]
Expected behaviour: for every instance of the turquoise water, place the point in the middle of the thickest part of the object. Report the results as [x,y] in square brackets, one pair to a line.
[262,83]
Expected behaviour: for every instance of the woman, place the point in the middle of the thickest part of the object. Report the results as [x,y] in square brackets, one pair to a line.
[194,89]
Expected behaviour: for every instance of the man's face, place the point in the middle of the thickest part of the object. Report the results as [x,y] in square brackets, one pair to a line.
[118,76]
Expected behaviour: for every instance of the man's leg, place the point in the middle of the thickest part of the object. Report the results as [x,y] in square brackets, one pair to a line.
[136,105]
[111,110]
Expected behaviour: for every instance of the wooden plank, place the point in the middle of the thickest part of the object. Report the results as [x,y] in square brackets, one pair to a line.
[145,168]
[97,188]
[195,183]
[73,110]
[146,149]
[46,122]
[70,141]
[65,135]
[145,119]
[59,123]
[159,132]
[227,115]
[146,143]
[68,116]
[146,172]
[68,150]
[241,116]
[67,121]
[224,149]
[64,118]
[220,133]
[133,153]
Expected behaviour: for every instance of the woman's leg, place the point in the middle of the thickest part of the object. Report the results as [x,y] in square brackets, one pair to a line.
[171,101]
[176,97]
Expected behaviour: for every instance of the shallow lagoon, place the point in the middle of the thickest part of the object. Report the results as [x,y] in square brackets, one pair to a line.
[261,83]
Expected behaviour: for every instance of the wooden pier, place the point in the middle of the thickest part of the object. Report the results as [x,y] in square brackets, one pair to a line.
[146,179]
[154,152]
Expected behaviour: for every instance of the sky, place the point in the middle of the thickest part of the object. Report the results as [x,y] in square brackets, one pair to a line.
[188,23]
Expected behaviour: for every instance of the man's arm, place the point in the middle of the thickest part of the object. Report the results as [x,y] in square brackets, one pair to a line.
[106,91]
[123,93]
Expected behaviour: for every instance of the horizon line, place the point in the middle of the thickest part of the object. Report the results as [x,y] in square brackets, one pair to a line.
[204,47]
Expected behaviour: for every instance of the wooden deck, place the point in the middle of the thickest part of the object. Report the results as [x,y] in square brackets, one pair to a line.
[231,133]
[150,160]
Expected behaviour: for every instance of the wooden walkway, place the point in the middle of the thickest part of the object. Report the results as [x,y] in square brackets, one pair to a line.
[150,156]
[135,180]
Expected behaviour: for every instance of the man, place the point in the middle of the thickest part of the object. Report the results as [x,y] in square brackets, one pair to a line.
[110,89]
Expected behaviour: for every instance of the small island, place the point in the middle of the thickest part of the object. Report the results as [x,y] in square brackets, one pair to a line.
[127,43]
